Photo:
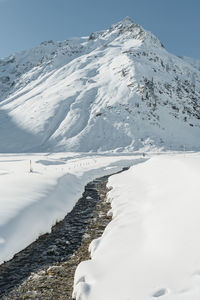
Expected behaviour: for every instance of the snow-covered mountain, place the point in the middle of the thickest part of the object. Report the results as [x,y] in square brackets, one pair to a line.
[116,89]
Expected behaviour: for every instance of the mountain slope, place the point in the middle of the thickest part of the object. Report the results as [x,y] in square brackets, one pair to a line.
[116,89]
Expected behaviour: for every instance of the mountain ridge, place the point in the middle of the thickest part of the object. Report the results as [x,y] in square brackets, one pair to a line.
[118,89]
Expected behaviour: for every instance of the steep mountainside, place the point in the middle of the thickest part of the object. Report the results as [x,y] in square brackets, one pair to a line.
[116,89]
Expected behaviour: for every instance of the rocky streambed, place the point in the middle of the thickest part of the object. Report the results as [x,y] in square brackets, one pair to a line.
[45,269]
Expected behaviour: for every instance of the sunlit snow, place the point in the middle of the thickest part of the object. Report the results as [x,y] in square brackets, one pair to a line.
[151,248]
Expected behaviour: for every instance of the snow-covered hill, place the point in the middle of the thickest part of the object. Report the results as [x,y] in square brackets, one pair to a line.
[116,89]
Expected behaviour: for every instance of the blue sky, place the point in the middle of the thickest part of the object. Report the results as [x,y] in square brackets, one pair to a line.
[26,23]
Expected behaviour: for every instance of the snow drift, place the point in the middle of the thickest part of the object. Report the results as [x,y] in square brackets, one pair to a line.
[150,250]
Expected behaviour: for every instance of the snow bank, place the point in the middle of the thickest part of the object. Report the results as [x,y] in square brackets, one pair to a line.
[151,248]
[32,202]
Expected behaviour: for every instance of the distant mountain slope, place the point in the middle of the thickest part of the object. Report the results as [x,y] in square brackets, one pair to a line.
[192,61]
[117,89]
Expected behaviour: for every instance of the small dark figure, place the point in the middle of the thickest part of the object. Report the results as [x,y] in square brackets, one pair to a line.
[31,169]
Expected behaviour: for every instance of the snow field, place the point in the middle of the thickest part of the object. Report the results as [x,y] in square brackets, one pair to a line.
[151,247]
[32,202]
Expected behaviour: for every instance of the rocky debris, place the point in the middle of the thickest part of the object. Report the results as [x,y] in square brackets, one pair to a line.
[45,269]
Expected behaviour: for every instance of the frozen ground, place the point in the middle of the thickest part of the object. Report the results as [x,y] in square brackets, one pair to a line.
[32,202]
[151,248]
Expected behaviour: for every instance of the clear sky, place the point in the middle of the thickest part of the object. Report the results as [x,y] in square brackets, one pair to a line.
[26,23]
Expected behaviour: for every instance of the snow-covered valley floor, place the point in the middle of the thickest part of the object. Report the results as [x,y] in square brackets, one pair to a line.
[151,248]
[32,202]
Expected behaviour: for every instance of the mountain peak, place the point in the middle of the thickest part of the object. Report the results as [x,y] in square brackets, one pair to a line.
[127,20]
[131,30]
[116,90]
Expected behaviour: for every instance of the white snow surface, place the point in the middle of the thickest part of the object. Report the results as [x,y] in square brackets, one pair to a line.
[30,203]
[151,248]
[116,89]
